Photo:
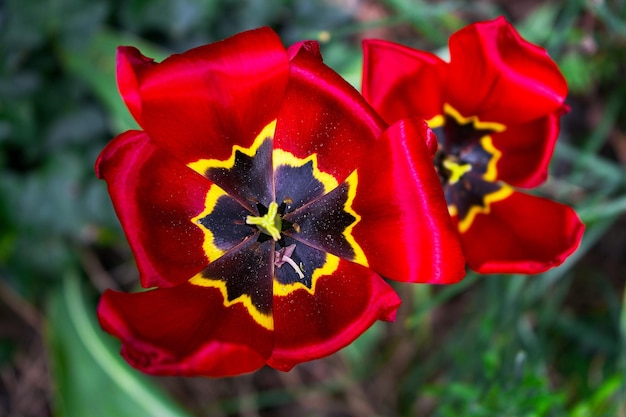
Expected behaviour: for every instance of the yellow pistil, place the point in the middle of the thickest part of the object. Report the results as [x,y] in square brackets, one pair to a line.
[270,223]
[456,170]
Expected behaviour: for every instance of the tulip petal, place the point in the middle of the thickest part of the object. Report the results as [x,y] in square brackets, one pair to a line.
[156,197]
[521,234]
[325,223]
[244,275]
[184,330]
[199,104]
[343,305]
[405,230]
[400,82]
[311,48]
[324,115]
[526,150]
[131,65]
[498,76]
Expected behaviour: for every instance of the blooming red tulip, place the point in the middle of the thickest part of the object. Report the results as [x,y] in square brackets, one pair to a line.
[497,106]
[265,200]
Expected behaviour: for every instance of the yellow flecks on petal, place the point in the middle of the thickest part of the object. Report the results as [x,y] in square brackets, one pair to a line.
[202,165]
[491,174]
[270,223]
[210,249]
[456,170]
[359,255]
[281,157]
[477,123]
[501,194]
[329,267]
[265,320]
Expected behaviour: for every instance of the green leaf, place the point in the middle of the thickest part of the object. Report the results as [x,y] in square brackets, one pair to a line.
[538,26]
[95,66]
[91,378]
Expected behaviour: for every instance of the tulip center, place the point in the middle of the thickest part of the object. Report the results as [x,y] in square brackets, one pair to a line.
[454,171]
[270,223]
[466,162]
[273,223]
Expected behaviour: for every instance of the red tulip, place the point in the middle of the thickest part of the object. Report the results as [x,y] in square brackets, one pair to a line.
[496,108]
[265,200]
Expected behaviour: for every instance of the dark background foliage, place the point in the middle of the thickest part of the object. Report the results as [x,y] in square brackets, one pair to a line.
[548,345]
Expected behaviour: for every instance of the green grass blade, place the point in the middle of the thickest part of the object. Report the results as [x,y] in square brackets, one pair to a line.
[89,371]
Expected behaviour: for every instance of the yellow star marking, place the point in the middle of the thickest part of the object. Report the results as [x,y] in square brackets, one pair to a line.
[488,199]
[491,174]
[436,121]
[329,267]
[359,255]
[474,120]
[281,157]
[210,249]
[265,320]
[457,171]
[201,166]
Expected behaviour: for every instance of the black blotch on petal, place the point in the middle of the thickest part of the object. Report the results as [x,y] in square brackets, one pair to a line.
[246,269]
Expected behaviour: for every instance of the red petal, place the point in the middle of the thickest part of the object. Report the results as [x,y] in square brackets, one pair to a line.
[526,151]
[344,305]
[522,234]
[405,229]
[312,48]
[131,65]
[400,82]
[322,114]
[185,330]
[199,104]
[155,198]
[499,77]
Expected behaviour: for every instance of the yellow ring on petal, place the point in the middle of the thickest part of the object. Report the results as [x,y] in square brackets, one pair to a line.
[282,157]
[265,320]
[329,267]
[464,224]
[491,174]
[210,249]
[359,255]
[201,166]
[474,120]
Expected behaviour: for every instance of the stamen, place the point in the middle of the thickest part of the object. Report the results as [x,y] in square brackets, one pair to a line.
[294,266]
[456,170]
[283,256]
[270,223]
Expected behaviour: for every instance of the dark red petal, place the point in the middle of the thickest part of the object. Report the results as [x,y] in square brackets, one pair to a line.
[499,77]
[324,115]
[185,330]
[344,305]
[311,48]
[526,151]
[155,198]
[131,65]
[400,82]
[522,234]
[405,229]
[199,104]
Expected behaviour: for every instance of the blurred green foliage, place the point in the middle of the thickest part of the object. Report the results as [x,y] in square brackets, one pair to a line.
[550,345]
